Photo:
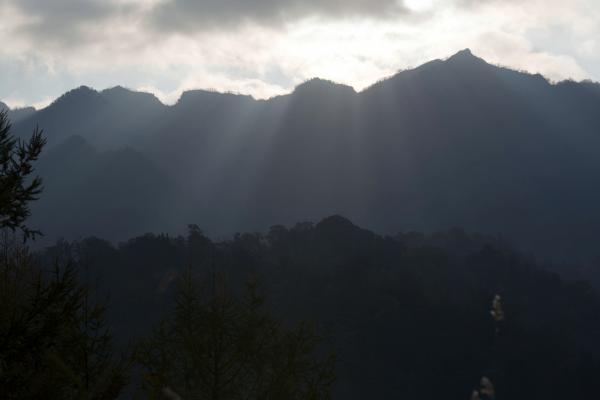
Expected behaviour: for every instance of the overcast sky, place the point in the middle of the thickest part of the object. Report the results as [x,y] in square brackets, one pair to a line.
[266,47]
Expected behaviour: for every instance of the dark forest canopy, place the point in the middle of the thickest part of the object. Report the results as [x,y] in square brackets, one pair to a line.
[408,316]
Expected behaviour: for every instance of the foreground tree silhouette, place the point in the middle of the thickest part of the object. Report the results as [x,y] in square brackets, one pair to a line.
[17,187]
[218,347]
[54,343]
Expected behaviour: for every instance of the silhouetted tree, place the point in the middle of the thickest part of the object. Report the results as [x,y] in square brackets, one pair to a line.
[219,347]
[17,187]
[54,343]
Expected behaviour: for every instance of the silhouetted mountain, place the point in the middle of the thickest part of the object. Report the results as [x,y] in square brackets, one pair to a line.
[115,194]
[320,87]
[17,114]
[111,119]
[455,142]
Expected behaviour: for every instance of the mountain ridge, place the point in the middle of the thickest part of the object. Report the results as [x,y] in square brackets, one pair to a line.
[455,142]
[462,56]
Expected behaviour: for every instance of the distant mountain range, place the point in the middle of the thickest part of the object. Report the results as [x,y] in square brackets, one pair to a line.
[455,142]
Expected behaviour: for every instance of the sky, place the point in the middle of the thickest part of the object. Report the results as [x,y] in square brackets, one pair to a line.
[267,47]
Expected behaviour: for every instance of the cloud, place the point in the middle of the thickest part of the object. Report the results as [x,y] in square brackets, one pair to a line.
[517,52]
[198,15]
[266,47]
[71,23]
[62,21]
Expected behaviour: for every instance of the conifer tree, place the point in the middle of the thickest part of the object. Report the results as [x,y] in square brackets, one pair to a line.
[17,185]
[221,348]
[54,341]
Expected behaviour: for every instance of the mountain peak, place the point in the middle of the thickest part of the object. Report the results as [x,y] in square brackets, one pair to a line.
[465,53]
[82,89]
[318,85]
[465,56]
[3,106]
[116,90]
[82,92]
[120,93]
[78,99]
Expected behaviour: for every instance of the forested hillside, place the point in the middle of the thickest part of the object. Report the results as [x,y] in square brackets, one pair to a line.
[408,316]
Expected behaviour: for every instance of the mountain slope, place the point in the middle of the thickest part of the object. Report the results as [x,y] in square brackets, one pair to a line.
[17,114]
[455,142]
[114,194]
[110,119]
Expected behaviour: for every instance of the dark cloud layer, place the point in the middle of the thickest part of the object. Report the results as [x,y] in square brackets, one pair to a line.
[66,11]
[72,21]
[66,21]
[190,15]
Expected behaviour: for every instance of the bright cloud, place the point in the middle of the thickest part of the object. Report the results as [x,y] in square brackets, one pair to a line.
[266,47]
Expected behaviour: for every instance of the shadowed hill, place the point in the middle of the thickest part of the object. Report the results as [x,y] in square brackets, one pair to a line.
[455,142]
[112,118]
[115,194]
[408,316]
[17,114]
